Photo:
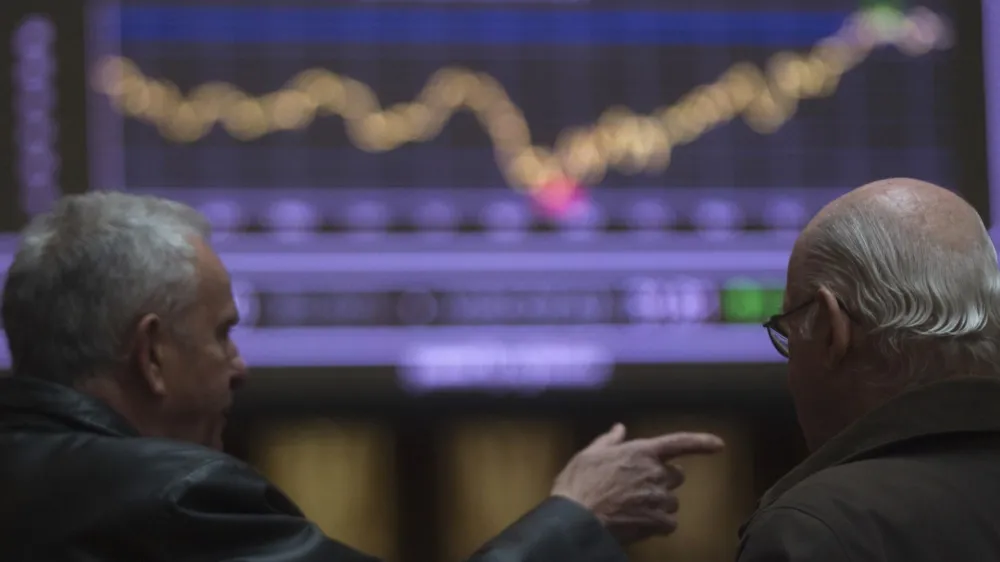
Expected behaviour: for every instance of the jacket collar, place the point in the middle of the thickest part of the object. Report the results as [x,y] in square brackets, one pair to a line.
[32,402]
[966,405]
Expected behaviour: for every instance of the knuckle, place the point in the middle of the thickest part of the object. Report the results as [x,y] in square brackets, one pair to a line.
[672,504]
[659,475]
[655,494]
[675,475]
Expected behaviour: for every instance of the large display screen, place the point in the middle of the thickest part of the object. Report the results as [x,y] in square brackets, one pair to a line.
[503,192]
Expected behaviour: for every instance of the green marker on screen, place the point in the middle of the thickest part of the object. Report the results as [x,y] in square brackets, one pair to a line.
[895,5]
[745,300]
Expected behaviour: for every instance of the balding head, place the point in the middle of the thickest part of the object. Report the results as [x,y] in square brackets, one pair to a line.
[930,213]
[905,277]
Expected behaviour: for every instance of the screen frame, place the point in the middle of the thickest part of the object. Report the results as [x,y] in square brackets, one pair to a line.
[979,159]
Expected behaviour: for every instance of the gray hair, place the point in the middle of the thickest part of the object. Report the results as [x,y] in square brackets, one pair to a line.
[87,271]
[932,310]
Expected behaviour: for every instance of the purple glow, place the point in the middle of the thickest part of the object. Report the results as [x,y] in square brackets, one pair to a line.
[650,215]
[658,301]
[526,367]
[292,215]
[583,216]
[991,57]
[718,214]
[506,220]
[224,216]
[410,262]
[436,215]
[403,256]
[37,31]
[368,215]
[786,214]
[34,95]
[324,347]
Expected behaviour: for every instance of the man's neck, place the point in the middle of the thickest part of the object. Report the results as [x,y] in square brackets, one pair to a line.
[838,415]
[109,390]
[871,394]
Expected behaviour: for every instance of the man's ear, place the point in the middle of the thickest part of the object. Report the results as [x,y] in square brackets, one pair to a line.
[834,325]
[149,341]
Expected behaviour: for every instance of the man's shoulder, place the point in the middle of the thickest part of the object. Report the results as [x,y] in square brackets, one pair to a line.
[823,517]
[167,464]
[870,507]
[867,486]
[169,453]
[848,493]
[866,498]
[128,467]
[69,481]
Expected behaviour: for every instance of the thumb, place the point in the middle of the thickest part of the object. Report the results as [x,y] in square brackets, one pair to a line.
[613,437]
[679,444]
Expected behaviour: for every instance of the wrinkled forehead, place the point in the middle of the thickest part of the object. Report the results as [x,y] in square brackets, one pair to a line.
[209,264]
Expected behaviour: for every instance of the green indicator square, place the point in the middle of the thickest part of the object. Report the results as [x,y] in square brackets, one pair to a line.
[743,305]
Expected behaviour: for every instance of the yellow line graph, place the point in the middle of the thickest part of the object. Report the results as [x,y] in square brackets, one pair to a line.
[620,139]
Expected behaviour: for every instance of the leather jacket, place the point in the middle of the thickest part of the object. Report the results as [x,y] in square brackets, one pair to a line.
[79,484]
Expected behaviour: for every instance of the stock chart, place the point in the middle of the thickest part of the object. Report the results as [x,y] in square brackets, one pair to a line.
[546,100]
[482,192]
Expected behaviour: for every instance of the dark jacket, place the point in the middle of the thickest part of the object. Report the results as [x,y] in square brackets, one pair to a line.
[917,480]
[78,484]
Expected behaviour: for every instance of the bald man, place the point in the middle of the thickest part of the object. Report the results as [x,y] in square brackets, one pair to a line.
[890,327]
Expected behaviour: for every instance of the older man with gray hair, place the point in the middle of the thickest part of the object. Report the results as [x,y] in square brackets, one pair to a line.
[890,326]
[118,316]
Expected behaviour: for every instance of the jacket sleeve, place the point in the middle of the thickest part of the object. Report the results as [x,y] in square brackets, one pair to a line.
[225,512]
[787,534]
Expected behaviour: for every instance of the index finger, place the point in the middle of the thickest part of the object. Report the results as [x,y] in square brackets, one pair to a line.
[678,444]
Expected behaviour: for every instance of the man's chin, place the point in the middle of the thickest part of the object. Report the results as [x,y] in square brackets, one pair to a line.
[216,442]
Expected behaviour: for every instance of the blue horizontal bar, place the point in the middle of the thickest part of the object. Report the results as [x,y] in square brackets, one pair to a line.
[436,26]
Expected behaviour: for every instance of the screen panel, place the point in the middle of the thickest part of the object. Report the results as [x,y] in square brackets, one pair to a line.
[507,194]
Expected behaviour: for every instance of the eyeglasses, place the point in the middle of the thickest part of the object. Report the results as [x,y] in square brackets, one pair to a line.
[778,333]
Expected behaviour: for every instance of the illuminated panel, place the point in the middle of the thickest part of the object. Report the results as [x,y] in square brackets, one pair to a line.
[522,318]
[620,139]
[597,78]
[380,297]
[34,103]
[574,324]
[525,368]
